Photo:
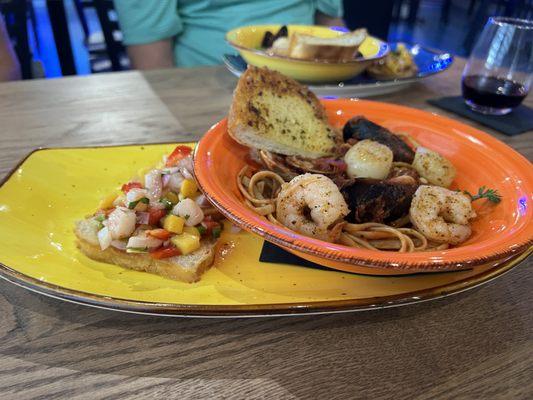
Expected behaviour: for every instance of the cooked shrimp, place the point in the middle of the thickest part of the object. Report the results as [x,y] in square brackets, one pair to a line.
[311,204]
[441,215]
[143,241]
[154,185]
[188,209]
[121,223]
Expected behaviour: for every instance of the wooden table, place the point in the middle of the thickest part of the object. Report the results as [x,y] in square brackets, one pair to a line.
[473,345]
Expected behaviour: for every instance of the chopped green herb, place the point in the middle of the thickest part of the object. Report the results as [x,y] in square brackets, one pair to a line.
[133,204]
[491,195]
[167,203]
[216,232]
[202,229]
[136,250]
[186,217]
[100,218]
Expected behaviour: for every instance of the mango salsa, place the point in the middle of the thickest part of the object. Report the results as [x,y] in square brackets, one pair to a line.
[172,197]
[174,224]
[186,243]
[192,230]
[188,188]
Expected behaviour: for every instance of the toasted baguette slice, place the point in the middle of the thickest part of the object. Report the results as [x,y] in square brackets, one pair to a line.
[341,48]
[188,268]
[273,112]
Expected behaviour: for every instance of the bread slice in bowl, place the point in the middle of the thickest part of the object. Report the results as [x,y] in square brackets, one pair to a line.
[337,49]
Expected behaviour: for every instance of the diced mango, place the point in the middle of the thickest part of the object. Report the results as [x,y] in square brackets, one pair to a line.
[120,200]
[107,202]
[186,243]
[141,207]
[174,223]
[192,230]
[188,188]
[172,197]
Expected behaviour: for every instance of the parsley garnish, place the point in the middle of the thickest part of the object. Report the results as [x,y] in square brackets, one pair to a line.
[167,203]
[491,195]
[133,204]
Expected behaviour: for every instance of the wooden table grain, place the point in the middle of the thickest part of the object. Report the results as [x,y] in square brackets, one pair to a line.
[475,345]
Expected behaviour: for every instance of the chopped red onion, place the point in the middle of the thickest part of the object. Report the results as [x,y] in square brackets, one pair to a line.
[152,182]
[187,174]
[175,181]
[143,241]
[202,201]
[119,244]
[104,238]
[143,218]
[165,179]
[186,167]
[135,194]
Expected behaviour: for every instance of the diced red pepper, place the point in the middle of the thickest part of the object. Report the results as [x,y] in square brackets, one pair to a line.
[209,225]
[130,185]
[162,234]
[155,214]
[165,252]
[179,153]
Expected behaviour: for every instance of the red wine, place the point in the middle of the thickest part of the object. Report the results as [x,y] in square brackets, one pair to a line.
[493,92]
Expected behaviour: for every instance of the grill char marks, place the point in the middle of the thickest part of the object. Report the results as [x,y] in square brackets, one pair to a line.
[360,128]
[372,200]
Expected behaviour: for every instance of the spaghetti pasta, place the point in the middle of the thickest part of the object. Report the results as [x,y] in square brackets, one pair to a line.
[260,189]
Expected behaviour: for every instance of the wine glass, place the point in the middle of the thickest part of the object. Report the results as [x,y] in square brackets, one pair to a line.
[498,74]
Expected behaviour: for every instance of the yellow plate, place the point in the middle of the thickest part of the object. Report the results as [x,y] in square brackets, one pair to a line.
[52,188]
[247,40]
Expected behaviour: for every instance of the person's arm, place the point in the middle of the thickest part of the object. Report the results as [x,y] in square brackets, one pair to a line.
[9,64]
[151,55]
[149,29]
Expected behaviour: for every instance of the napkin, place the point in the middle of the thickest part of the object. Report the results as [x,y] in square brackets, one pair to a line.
[273,254]
[517,121]
[276,255]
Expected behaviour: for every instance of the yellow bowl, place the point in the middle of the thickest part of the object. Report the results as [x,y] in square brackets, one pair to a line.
[247,40]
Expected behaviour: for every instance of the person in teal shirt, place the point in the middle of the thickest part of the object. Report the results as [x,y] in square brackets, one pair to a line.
[188,33]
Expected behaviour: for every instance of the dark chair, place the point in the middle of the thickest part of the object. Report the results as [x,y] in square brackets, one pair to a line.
[375,17]
[59,25]
[112,49]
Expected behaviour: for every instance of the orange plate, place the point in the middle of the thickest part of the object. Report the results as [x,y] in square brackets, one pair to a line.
[499,231]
